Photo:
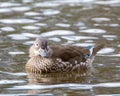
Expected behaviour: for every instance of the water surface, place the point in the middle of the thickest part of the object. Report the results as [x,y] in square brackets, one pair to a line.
[74,22]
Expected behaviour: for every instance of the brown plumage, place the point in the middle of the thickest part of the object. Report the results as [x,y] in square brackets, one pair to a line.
[59,58]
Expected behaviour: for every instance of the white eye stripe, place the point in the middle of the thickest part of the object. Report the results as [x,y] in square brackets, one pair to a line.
[36,44]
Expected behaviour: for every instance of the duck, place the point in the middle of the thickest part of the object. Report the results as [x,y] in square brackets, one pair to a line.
[46,58]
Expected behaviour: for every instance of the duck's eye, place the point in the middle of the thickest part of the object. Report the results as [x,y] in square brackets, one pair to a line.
[36,44]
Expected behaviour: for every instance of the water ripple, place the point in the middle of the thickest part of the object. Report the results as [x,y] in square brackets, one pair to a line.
[111,2]
[57,32]
[113,55]
[4,10]
[31,13]
[30,27]
[101,19]
[106,50]
[17,21]
[7,29]
[119,45]
[14,74]
[50,12]
[46,4]
[108,95]
[27,1]
[16,53]
[69,86]
[28,42]
[30,35]
[40,24]
[97,31]
[21,9]
[76,38]
[11,81]
[18,37]
[9,4]
[73,1]
[110,37]
[84,44]
[108,25]
[55,39]
[62,25]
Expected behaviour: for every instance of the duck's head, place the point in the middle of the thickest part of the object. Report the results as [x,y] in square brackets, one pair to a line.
[40,48]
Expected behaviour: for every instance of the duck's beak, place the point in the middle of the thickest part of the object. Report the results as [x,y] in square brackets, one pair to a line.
[43,52]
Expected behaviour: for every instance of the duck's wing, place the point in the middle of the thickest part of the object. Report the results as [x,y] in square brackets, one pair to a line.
[67,53]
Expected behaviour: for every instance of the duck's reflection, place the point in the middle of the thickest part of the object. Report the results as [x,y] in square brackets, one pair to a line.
[57,78]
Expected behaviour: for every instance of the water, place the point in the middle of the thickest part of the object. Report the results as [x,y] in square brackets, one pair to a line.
[74,22]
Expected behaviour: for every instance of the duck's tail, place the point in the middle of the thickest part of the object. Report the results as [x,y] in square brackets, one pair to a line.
[95,49]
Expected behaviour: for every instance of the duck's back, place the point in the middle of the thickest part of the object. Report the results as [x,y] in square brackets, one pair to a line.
[67,53]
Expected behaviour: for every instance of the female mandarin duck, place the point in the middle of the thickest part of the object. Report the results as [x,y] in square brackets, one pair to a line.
[59,58]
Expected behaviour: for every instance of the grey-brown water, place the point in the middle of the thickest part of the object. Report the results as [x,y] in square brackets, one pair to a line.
[76,22]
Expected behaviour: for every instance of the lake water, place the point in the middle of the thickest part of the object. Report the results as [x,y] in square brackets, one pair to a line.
[64,22]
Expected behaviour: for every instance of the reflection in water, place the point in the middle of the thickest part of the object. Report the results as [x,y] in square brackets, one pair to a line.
[57,78]
[47,81]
